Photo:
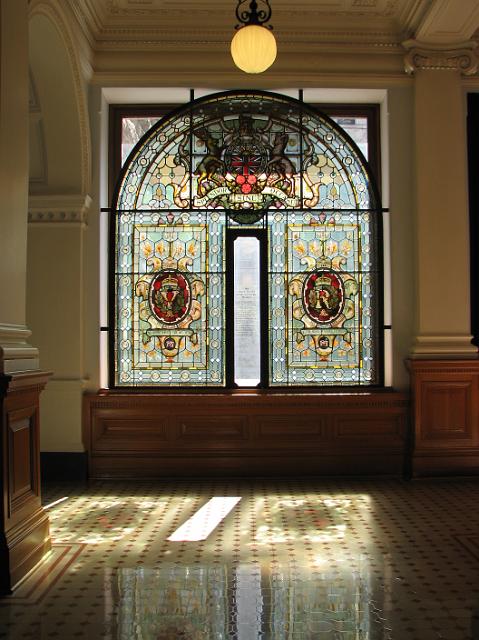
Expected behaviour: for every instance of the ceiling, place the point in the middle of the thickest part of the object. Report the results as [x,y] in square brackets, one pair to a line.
[109,23]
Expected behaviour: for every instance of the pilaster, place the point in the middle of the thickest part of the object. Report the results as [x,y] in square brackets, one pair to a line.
[24,526]
[16,354]
[56,310]
[444,366]
[442,217]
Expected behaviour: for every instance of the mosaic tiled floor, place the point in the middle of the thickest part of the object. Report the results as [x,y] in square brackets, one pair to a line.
[323,560]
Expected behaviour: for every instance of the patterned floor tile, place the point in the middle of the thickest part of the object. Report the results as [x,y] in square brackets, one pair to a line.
[329,559]
[37,583]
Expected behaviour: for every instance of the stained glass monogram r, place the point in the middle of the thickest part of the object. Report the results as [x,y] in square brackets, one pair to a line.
[246,230]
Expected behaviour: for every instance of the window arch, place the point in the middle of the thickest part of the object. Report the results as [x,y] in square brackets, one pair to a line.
[245,234]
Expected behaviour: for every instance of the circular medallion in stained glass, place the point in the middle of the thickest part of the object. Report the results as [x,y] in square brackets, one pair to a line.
[170,296]
[323,295]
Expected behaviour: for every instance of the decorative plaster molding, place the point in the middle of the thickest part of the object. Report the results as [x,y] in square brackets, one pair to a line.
[290,42]
[148,8]
[16,354]
[462,58]
[443,346]
[88,20]
[154,20]
[55,12]
[364,3]
[12,333]
[58,209]
[348,79]
[55,216]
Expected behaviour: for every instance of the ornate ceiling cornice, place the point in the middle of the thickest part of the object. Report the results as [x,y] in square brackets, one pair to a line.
[345,21]
[291,41]
[358,32]
[309,8]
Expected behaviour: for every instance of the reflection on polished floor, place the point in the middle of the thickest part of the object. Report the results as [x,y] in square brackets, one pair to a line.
[329,559]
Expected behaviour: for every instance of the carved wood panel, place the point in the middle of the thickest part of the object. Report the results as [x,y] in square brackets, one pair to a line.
[212,431]
[23,479]
[245,433]
[120,433]
[446,416]
[446,410]
[368,426]
[290,430]
[24,534]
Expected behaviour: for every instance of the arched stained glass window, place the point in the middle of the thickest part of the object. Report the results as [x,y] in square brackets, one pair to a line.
[246,232]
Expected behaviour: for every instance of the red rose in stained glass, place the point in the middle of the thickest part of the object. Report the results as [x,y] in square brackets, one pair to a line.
[170,296]
[323,295]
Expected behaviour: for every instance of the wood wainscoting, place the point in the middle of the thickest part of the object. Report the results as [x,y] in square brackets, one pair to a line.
[245,434]
[445,397]
[25,534]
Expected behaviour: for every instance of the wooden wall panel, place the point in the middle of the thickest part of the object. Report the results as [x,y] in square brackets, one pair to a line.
[21,449]
[446,410]
[245,433]
[289,430]
[116,433]
[211,431]
[446,416]
[375,428]
[24,535]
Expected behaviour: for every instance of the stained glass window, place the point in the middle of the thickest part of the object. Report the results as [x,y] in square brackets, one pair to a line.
[132,130]
[246,229]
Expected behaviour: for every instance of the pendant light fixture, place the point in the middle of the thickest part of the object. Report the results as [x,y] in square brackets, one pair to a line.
[253,47]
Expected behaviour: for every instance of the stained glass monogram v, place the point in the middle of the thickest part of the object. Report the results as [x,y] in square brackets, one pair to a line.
[246,231]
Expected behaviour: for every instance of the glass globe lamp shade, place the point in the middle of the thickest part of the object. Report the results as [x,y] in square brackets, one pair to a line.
[253,48]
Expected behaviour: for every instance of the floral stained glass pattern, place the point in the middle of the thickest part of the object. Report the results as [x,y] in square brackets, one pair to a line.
[246,160]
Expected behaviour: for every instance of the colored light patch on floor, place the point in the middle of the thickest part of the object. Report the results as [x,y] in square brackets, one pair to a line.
[204,521]
[320,559]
